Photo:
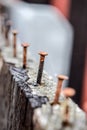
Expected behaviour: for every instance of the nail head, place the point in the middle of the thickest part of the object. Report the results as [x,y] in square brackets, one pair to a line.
[14,32]
[69,92]
[63,77]
[25,44]
[43,53]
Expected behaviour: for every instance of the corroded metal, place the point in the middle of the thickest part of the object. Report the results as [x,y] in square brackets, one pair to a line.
[7,29]
[25,45]
[68,92]
[14,43]
[41,65]
[61,78]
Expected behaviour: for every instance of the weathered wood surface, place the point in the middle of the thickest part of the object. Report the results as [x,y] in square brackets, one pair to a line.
[5,81]
[22,101]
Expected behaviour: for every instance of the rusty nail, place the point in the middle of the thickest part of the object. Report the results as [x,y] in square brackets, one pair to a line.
[0,52]
[41,65]
[14,42]
[68,92]
[61,78]
[2,24]
[7,29]
[4,17]
[25,45]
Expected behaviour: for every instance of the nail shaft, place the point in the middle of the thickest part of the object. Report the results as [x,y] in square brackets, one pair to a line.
[65,121]
[68,92]
[61,78]
[3,22]
[7,29]
[41,65]
[6,37]
[14,43]
[25,57]
[25,45]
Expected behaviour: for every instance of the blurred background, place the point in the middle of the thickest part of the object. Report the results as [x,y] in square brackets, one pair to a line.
[58,27]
